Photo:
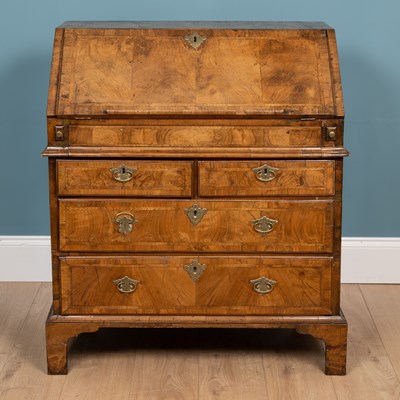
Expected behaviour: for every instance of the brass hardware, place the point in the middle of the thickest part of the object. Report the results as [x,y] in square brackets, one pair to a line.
[125,222]
[59,132]
[195,270]
[195,213]
[265,173]
[263,225]
[263,285]
[330,133]
[123,173]
[126,285]
[195,39]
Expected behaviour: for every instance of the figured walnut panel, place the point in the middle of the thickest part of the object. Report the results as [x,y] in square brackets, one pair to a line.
[151,178]
[194,136]
[87,284]
[302,288]
[302,284]
[295,178]
[242,72]
[303,226]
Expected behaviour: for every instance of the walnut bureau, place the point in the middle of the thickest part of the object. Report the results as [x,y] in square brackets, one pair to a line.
[195,179]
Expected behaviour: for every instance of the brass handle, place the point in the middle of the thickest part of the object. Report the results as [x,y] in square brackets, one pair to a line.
[126,285]
[265,173]
[263,285]
[125,222]
[330,133]
[123,173]
[264,225]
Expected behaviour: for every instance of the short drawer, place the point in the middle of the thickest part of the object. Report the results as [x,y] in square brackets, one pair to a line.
[124,178]
[187,225]
[165,285]
[267,178]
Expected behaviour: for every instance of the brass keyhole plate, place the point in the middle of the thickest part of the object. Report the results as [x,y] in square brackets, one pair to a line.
[195,39]
[195,213]
[195,270]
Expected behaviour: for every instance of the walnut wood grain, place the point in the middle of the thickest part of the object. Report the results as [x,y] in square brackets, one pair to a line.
[195,122]
[150,178]
[302,288]
[293,178]
[205,152]
[267,72]
[60,329]
[57,337]
[54,229]
[192,136]
[303,226]
[55,71]
[228,26]
[335,339]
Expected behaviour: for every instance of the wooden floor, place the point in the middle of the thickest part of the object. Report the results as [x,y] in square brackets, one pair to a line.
[189,364]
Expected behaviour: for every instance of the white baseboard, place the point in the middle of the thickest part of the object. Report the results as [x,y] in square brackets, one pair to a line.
[25,258]
[364,260]
[371,260]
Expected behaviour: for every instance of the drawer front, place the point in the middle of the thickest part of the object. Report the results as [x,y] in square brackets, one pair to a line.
[161,285]
[266,178]
[195,136]
[227,226]
[124,178]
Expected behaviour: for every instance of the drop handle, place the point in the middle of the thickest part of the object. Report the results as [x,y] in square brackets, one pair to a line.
[123,173]
[126,285]
[265,173]
[263,285]
[125,222]
[264,225]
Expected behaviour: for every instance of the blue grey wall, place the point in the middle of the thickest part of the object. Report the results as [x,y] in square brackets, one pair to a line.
[368,37]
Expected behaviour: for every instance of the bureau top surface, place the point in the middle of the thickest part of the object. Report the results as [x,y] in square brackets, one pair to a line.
[129,69]
[196,24]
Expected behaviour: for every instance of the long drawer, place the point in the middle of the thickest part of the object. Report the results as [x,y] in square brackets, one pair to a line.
[124,178]
[191,136]
[267,178]
[98,225]
[230,284]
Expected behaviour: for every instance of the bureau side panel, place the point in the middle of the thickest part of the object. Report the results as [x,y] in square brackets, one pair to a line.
[54,230]
[337,237]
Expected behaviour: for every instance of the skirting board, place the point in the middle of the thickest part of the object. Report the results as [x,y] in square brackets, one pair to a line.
[364,260]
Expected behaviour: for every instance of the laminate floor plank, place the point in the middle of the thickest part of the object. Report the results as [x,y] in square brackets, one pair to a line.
[99,368]
[159,375]
[383,302]
[370,374]
[24,374]
[15,301]
[230,366]
[166,364]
